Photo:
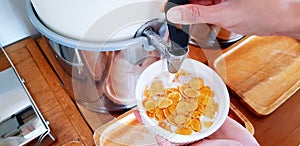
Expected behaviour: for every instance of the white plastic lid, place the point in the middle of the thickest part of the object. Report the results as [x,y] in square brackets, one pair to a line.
[97,20]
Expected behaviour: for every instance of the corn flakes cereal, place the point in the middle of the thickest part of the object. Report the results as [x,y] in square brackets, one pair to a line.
[150,104]
[164,126]
[209,112]
[182,89]
[170,119]
[164,102]
[211,109]
[190,92]
[182,106]
[172,108]
[174,96]
[196,83]
[196,125]
[206,91]
[184,130]
[191,105]
[182,73]
[147,93]
[167,113]
[159,114]
[188,122]
[179,119]
[171,90]
[150,114]
[157,88]
[196,114]
[207,124]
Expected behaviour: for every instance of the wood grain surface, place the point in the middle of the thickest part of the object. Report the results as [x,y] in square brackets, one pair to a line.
[51,57]
[66,122]
[4,63]
[280,128]
[263,71]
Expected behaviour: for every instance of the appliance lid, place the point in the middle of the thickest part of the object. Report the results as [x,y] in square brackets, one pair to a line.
[97,20]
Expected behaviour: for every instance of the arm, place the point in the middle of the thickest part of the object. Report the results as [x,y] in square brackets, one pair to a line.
[247,17]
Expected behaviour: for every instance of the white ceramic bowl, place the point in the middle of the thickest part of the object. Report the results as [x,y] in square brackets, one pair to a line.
[211,79]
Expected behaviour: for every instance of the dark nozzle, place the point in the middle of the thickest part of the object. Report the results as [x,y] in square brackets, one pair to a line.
[179,37]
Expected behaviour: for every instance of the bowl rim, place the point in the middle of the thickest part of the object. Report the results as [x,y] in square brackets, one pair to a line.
[172,137]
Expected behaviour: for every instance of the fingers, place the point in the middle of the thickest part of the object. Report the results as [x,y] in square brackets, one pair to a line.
[194,13]
[162,8]
[190,14]
[234,131]
[199,2]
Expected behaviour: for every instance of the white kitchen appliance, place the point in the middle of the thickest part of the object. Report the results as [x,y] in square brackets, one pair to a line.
[105,45]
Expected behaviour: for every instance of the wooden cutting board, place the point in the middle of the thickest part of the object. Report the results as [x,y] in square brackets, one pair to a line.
[263,71]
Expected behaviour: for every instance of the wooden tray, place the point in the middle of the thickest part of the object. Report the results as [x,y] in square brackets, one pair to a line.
[263,71]
[120,130]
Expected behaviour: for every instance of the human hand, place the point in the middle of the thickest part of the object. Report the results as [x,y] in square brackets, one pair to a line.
[246,17]
[230,133]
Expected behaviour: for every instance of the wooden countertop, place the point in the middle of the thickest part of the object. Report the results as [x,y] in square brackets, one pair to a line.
[282,127]
[66,122]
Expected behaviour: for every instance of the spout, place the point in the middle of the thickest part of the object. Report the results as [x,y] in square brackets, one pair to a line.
[175,55]
[179,37]
[177,51]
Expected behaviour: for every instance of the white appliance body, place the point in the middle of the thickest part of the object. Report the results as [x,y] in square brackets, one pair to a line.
[97,20]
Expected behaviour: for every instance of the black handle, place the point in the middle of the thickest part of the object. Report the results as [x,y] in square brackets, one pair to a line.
[179,34]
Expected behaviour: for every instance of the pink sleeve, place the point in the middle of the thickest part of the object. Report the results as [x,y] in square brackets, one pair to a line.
[232,130]
[218,142]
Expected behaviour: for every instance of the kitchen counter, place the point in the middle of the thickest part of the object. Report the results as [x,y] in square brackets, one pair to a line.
[66,123]
[282,127]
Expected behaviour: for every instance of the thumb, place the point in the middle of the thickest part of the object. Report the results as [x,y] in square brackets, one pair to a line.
[193,13]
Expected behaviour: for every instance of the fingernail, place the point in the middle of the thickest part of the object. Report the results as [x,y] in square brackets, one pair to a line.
[174,15]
